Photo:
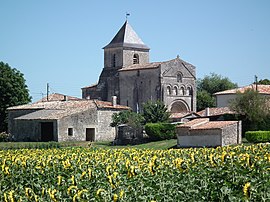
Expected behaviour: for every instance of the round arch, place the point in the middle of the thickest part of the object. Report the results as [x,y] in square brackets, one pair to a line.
[179,106]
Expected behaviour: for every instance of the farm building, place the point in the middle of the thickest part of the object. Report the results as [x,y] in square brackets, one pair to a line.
[223,98]
[63,118]
[205,133]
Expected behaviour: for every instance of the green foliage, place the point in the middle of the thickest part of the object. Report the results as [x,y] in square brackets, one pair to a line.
[264,82]
[13,91]
[127,117]
[209,85]
[4,137]
[254,108]
[154,112]
[160,131]
[258,136]
[204,99]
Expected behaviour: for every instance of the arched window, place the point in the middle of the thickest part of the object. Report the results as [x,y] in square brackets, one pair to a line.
[179,77]
[135,59]
[182,91]
[189,91]
[114,60]
[169,90]
[175,90]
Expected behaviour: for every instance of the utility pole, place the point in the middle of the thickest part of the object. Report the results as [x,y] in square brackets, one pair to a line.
[256,82]
[48,91]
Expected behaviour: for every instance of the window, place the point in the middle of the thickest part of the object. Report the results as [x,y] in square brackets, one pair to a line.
[179,77]
[114,60]
[169,90]
[182,91]
[189,91]
[135,59]
[175,90]
[70,131]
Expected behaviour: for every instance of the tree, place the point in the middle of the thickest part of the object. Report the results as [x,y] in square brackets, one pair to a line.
[264,82]
[13,91]
[209,85]
[254,108]
[127,117]
[155,112]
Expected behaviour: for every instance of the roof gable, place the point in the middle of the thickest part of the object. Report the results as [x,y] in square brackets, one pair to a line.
[172,67]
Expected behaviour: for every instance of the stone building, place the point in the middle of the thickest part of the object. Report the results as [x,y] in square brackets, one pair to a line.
[205,133]
[223,98]
[63,118]
[129,75]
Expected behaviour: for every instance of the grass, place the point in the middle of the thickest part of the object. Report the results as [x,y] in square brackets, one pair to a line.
[165,144]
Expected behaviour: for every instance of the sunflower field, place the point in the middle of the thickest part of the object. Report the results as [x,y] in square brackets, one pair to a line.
[238,173]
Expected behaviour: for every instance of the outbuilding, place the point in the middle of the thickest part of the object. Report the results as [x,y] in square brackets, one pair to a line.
[63,120]
[205,133]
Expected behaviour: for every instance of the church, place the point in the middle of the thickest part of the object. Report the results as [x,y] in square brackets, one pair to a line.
[129,77]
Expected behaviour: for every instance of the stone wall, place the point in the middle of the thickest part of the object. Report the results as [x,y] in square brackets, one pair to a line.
[104,131]
[169,72]
[12,114]
[199,138]
[199,134]
[232,134]
[78,122]
[223,100]
[139,87]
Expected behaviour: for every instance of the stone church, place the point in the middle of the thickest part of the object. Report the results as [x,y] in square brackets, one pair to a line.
[128,75]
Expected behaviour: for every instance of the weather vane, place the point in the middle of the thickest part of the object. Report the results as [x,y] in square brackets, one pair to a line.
[127,14]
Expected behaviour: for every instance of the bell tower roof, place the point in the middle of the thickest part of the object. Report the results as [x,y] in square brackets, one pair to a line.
[127,37]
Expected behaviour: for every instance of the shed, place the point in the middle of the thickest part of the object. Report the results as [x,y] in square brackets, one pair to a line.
[205,133]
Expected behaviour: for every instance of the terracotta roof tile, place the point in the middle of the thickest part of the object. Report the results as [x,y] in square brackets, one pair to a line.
[204,124]
[216,111]
[263,89]
[214,125]
[152,65]
[58,97]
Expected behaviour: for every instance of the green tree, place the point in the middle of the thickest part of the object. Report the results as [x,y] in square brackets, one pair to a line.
[209,85]
[13,91]
[127,117]
[254,109]
[155,112]
[264,82]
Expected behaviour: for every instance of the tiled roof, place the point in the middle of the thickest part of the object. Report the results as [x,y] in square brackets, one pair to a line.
[216,111]
[108,105]
[58,109]
[262,89]
[204,124]
[152,65]
[215,125]
[58,97]
[91,86]
[182,114]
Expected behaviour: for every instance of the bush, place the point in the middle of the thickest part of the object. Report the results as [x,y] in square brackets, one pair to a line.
[4,137]
[160,131]
[258,136]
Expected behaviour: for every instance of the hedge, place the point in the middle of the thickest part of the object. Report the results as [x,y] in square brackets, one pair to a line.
[160,131]
[258,136]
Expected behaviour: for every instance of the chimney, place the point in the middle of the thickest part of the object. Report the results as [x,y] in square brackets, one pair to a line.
[114,101]
[207,111]
[65,98]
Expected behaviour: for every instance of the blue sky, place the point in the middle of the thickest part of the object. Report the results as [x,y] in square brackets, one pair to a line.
[60,42]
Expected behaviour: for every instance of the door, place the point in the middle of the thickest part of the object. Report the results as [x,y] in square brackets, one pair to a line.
[46,131]
[90,134]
